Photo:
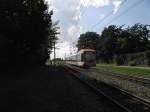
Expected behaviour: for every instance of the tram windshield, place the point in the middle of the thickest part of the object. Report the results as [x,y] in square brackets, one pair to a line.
[90,56]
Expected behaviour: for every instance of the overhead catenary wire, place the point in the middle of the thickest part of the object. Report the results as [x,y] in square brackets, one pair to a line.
[125,11]
[111,12]
[103,19]
[83,12]
[107,15]
[130,8]
[81,4]
[78,4]
[74,13]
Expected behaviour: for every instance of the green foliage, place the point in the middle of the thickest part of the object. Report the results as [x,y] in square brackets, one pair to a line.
[127,70]
[132,63]
[120,40]
[119,59]
[117,40]
[108,42]
[88,40]
[139,35]
[148,57]
[139,58]
[26,30]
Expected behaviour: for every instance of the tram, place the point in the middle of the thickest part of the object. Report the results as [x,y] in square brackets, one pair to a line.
[84,58]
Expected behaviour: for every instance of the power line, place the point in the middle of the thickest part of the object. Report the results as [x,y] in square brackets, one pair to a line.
[75,10]
[85,8]
[74,13]
[83,12]
[130,8]
[125,11]
[83,3]
[78,4]
[108,15]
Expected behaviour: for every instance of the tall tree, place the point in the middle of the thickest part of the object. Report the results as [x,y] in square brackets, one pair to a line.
[26,30]
[139,34]
[88,40]
[108,42]
[116,40]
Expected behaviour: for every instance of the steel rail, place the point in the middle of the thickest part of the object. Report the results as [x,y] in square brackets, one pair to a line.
[132,78]
[140,80]
[97,91]
[143,81]
[141,100]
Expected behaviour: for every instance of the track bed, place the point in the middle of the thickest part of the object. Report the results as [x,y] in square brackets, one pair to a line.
[46,89]
[118,96]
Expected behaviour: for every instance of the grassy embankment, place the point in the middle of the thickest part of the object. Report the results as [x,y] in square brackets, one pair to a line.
[127,70]
[56,63]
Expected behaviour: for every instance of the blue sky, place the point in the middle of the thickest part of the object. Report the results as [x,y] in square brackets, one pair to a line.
[79,16]
[138,14]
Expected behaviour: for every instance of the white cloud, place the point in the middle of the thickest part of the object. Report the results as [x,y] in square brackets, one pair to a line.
[116,4]
[102,3]
[63,49]
[73,30]
[101,16]
[68,12]
[94,3]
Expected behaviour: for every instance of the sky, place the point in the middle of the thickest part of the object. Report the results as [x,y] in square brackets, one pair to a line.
[79,16]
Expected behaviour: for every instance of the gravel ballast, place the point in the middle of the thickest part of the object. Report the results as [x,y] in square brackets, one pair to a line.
[127,85]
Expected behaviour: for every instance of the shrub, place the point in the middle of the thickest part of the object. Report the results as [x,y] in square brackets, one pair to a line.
[119,59]
[148,57]
[132,63]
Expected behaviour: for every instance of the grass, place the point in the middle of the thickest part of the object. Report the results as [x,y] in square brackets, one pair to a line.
[128,70]
[57,63]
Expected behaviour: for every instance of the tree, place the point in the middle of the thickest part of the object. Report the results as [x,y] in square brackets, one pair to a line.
[133,39]
[117,40]
[139,35]
[26,30]
[88,40]
[108,42]
[124,43]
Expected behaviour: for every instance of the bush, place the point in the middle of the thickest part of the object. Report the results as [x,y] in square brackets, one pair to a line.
[132,63]
[148,57]
[119,59]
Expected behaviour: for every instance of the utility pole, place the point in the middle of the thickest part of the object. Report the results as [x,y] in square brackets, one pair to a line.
[70,50]
[54,54]
[65,58]
[74,47]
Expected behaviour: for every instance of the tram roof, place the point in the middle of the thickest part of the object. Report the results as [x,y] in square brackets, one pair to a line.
[83,50]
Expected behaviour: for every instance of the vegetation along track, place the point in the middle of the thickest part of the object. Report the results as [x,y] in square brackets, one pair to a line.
[120,97]
[142,81]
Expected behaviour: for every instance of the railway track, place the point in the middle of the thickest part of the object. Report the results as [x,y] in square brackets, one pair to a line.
[140,80]
[123,99]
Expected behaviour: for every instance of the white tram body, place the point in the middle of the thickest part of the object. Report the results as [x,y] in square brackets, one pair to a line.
[84,58]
